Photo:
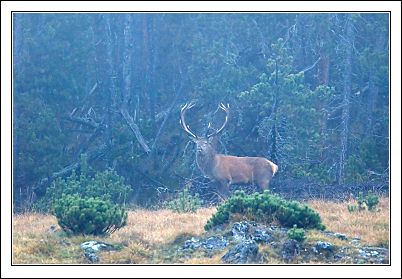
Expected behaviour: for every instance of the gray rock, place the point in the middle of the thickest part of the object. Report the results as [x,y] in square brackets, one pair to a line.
[262,236]
[373,255]
[246,230]
[290,249]
[355,242]
[356,238]
[245,252]
[91,257]
[92,247]
[95,246]
[341,256]
[240,230]
[192,243]
[340,236]
[322,246]
[215,243]
[211,243]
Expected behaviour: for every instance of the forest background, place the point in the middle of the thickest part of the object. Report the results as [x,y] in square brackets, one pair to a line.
[309,91]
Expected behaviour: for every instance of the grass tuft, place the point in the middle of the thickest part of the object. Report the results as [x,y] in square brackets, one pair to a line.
[371,227]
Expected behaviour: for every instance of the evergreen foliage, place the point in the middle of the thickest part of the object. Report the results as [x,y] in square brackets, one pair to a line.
[106,185]
[266,208]
[368,201]
[372,201]
[184,202]
[93,216]
[289,107]
[296,233]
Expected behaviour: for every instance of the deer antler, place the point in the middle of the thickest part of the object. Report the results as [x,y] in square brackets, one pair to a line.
[183,121]
[226,110]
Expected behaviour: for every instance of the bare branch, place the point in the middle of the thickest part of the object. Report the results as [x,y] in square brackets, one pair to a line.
[134,128]
[87,122]
[167,116]
[92,155]
[310,67]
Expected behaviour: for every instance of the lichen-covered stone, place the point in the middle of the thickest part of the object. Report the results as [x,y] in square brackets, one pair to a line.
[242,253]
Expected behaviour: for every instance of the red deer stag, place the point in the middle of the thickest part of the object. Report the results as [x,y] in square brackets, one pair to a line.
[227,169]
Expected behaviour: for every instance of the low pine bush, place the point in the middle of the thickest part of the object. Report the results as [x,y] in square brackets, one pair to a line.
[184,202]
[369,201]
[297,234]
[266,208]
[372,201]
[93,216]
[107,185]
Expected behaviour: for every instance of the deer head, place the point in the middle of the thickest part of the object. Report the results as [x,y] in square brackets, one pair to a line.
[205,145]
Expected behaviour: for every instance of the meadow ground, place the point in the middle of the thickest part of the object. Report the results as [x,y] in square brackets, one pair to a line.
[153,237]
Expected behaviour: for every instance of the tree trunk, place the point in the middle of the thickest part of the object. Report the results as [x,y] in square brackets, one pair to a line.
[323,69]
[347,81]
[373,88]
[127,61]
[149,66]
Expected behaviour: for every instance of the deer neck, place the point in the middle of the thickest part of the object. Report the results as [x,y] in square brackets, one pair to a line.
[206,162]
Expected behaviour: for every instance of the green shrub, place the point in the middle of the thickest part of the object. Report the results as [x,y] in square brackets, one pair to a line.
[184,202]
[369,201]
[352,208]
[94,216]
[107,185]
[372,201]
[361,201]
[266,208]
[297,234]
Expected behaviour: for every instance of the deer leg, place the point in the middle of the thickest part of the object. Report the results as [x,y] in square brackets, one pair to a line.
[263,185]
[224,189]
[264,181]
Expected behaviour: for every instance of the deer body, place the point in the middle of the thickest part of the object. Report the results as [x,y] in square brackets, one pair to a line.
[228,169]
[244,170]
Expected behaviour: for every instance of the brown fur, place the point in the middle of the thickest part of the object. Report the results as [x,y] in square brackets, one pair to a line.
[244,170]
[229,170]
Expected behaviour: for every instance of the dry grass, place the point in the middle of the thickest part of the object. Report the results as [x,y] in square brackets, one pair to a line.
[154,236]
[34,244]
[162,226]
[215,259]
[33,223]
[146,232]
[371,227]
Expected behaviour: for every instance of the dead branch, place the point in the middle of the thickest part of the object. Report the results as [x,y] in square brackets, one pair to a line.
[83,121]
[92,155]
[134,128]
